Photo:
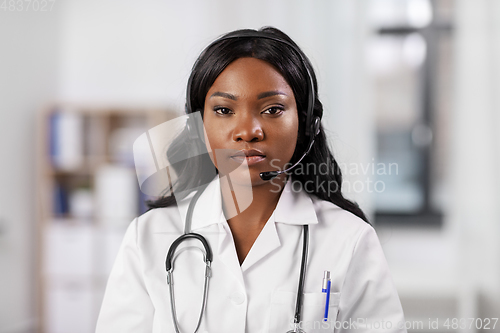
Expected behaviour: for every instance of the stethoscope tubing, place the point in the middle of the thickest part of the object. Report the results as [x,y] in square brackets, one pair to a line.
[208,257]
[303,267]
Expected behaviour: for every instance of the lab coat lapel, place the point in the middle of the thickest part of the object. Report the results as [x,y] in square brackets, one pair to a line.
[208,208]
[294,207]
[267,242]
[227,252]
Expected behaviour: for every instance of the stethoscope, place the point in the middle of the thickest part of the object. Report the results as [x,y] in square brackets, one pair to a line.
[208,257]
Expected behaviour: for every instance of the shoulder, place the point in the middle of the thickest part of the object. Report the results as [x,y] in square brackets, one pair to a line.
[151,233]
[342,231]
[159,220]
[332,217]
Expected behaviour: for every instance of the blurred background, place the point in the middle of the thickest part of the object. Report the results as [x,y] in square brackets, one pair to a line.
[410,89]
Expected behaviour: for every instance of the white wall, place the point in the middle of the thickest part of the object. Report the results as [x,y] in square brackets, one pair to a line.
[28,66]
[476,155]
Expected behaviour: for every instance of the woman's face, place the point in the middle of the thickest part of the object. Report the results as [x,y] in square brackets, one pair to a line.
[250,115]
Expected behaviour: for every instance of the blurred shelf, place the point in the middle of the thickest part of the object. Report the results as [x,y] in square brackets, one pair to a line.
[79,148]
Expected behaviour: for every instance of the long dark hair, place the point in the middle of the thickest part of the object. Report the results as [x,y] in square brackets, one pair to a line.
[213,60]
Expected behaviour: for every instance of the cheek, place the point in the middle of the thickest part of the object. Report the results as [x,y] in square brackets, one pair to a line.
[292,144]
[286,139]
[207,141]
[291,129]
[215,141]
[212,134]
[210,152]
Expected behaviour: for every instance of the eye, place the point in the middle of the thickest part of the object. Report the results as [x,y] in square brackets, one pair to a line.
[274,110]
[222,111]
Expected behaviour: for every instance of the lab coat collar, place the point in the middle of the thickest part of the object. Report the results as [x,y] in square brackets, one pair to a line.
[208,209]
[294,206]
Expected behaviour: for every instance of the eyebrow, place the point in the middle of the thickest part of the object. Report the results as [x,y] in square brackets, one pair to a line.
[270,93]
[260,96]
[223,94]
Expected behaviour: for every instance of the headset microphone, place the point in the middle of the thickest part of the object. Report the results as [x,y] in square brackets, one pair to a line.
[268,175]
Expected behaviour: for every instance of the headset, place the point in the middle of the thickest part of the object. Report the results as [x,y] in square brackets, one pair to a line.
[312,129]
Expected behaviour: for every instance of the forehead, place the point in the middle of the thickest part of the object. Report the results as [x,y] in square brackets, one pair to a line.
[250,75]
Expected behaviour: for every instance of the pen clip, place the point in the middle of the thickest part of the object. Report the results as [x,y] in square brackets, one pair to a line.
[326,278]
[327,284]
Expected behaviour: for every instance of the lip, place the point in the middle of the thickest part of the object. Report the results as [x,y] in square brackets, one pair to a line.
[252,156]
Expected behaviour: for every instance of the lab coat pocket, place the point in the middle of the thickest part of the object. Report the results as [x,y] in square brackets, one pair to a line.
[283,309]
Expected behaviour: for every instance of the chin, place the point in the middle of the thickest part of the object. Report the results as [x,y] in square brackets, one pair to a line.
[245,178]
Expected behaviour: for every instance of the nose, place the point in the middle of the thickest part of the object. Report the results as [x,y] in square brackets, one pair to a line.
[248,129]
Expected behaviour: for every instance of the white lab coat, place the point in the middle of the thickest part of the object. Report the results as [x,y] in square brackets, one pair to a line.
[258,296]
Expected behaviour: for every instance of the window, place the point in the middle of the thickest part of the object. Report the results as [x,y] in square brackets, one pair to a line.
[409,57]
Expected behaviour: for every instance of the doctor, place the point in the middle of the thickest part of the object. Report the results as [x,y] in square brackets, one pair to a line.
[256,92]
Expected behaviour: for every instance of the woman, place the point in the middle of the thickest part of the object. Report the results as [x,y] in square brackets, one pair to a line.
[257,94]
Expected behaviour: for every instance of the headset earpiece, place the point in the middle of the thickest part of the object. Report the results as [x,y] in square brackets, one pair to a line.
[316,125]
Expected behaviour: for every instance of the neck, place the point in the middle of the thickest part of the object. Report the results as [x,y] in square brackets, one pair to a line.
[265,198]
[247,225]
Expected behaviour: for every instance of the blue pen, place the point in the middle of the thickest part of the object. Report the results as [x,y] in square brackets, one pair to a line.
[327,284]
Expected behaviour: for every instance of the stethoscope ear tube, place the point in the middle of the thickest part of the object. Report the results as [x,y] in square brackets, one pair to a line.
[175,244]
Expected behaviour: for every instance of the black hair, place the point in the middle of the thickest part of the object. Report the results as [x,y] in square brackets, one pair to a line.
[292,65]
